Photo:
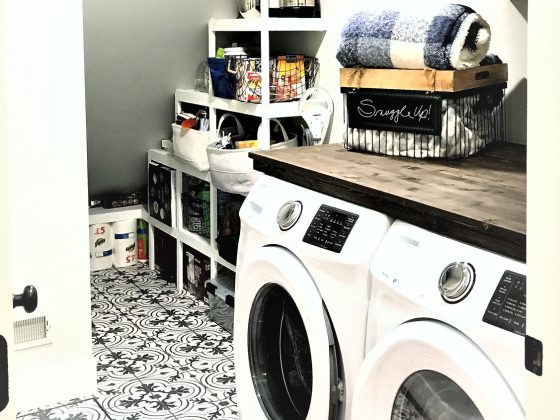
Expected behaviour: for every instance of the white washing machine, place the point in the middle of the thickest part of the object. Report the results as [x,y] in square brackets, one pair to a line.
[446,331]
[301,301]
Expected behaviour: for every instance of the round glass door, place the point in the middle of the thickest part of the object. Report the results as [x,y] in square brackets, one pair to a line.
[279,355]
[429,395]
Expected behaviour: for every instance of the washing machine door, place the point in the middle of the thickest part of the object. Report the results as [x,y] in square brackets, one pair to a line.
[426,370]
[286,356]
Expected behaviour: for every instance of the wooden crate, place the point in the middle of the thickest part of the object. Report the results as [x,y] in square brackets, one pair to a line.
[428,80]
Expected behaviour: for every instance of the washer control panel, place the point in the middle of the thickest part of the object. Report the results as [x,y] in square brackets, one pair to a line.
[507,309]
[330,228]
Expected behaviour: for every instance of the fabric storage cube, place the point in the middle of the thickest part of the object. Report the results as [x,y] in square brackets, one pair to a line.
[161,194]
[165,250]
[218,76]
[455,123]
[196,271]
[229,228]
[221,300]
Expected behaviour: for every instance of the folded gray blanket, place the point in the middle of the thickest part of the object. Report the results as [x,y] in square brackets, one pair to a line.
[448,37]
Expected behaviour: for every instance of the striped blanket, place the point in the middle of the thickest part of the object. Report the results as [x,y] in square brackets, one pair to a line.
[439,37]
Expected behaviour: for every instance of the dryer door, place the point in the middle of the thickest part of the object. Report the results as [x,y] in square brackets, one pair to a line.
[286,356]
[426,370]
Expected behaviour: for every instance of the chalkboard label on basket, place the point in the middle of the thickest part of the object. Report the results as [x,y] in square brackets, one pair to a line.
[395,111]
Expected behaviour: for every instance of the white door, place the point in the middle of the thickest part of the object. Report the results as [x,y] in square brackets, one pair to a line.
[6,326]
[7,410]
[43,203]
[426,370]
[286,356]
[6,343]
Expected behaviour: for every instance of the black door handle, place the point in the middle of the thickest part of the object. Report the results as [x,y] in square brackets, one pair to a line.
[28,299]
[4,394]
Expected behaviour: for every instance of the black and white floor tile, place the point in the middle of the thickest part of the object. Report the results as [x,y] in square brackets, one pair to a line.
[158,353]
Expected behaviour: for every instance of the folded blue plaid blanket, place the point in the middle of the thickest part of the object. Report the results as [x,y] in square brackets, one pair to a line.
[439,37]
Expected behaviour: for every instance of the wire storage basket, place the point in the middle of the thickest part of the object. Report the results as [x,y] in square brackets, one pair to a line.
[424,124]
[196,215]
[290,77]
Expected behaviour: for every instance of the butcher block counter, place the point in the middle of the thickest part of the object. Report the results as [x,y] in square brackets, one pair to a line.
[479,200]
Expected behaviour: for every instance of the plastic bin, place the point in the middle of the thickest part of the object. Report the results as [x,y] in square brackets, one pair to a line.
[221,300]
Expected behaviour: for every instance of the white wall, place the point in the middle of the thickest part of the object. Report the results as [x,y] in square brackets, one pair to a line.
[543,209]
[47,194]
[137,52]
[509,41]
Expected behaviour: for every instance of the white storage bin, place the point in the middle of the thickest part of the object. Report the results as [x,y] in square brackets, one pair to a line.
[190,144]
[232,170]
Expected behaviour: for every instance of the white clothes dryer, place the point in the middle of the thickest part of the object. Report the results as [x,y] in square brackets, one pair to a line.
[445,331]
[301,301]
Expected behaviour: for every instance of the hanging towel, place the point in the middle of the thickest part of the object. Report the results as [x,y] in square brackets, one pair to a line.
[439,37]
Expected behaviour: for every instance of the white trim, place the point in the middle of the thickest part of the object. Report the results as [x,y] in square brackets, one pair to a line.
[99,215]
[275,265]
[431,345]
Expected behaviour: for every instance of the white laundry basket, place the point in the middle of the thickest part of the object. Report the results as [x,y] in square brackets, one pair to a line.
[190,144]
[231,170]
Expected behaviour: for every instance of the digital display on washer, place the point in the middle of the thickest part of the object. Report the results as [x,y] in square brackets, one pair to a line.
[507,309]
[330,228]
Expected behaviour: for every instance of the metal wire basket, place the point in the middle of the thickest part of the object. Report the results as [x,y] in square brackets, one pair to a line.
[196,215]
[290,77]
[455,125]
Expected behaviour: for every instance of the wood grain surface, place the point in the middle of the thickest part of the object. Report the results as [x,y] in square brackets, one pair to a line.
[427,80]
[479,200]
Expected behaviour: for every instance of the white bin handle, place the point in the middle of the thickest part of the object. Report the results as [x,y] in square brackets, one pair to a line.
[240,130]
[279,124]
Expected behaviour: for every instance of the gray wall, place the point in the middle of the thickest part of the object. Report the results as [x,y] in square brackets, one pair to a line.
[137,52]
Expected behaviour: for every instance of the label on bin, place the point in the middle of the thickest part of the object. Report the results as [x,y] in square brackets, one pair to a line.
[394,111]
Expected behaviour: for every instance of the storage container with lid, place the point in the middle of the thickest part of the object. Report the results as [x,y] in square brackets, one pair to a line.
[221,300]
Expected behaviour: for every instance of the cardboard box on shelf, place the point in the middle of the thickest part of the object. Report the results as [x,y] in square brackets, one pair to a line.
[196,271]
[161,194]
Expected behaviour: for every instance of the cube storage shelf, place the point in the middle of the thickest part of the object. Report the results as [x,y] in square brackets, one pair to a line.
[206,246]
[265,110]
[101,215]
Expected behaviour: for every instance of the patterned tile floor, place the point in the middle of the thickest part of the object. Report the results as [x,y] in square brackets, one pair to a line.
[159,356]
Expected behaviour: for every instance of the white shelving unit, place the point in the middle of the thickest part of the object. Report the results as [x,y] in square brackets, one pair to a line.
[268,24]
[206,246]
[101,215]
[265,111]
[274,110]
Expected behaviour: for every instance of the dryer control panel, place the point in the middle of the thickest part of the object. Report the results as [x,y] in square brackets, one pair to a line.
[507,309]
[330,228]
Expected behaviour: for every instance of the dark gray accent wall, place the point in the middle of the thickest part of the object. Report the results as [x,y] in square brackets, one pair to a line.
[137,52]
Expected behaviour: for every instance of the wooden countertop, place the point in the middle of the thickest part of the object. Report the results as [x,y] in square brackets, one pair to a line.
[479,200]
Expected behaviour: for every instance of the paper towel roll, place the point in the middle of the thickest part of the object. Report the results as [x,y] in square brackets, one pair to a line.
[123,227]
[100,260]
[100,247]
[124,245]
[100,237]
[124,252]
